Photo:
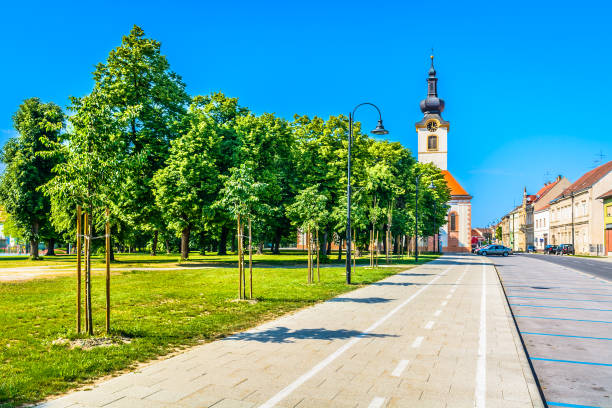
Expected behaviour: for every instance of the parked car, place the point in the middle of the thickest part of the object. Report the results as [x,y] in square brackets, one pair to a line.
[495,250]
[565,249]
[550,249]
[480,249]
[530,249]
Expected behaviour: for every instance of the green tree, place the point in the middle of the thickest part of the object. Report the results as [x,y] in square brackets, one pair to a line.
[308,213]
[148,103]
[90,173]
[185,189]
[241,195]
[29,160]
[498,233]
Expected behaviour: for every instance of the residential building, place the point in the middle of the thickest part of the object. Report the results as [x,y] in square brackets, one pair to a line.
[607,204]
[432,133]
[577,215]
[541,211]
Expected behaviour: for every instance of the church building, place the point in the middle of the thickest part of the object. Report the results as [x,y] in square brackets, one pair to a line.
[432,133]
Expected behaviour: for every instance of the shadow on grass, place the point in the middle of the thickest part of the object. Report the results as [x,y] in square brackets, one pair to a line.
[360,300]
[285,335]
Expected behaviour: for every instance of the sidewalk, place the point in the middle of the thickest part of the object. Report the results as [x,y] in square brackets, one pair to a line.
[439,335]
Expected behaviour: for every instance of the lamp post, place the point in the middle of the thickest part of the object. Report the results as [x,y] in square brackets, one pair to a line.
[416,218]
[433,187]
[379,130]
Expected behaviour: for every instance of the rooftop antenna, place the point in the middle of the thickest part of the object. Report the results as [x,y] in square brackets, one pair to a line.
[600,158]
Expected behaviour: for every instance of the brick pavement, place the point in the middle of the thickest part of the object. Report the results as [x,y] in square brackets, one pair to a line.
[439,335]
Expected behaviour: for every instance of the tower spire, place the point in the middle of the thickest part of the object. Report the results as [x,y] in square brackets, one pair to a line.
[432,104]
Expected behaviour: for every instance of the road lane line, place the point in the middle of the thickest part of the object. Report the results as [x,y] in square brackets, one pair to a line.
[444,303]
[480,392]
[429,325]
[438,312]
[417,342]
[448,296]
[282,394]
[401,366]
[561,307]
[570,361]
[377,402]
[561,318]
[566,335]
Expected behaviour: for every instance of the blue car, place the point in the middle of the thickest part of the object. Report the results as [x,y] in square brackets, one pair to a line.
[494,250]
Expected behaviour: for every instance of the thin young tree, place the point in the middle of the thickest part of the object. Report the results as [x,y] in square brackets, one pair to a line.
[308,213]
[241,196]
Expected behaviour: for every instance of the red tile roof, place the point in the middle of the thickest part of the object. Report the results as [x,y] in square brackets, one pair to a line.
[606,195]
[545,189]
[589,178]
[453,185]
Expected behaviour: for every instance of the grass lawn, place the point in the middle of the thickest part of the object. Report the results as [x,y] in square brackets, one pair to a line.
[159,311]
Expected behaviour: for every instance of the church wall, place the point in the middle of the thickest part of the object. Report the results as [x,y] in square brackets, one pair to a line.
[437,157]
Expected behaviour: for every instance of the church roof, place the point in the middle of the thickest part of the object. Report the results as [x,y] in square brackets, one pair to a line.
[455,188]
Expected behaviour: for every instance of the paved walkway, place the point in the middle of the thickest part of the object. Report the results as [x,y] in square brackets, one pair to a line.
[439,335]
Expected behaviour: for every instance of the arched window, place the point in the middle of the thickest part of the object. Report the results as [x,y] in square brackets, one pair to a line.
[432,142]
[452,221]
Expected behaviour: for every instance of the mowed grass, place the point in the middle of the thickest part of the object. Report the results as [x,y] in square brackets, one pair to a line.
[159,311]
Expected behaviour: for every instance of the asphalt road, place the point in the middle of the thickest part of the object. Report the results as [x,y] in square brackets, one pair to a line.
[593,266]
[563,307]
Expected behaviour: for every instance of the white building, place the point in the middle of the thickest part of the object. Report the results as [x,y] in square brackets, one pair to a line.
[541,211]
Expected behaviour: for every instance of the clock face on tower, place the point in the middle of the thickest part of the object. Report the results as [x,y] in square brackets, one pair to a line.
[432,126]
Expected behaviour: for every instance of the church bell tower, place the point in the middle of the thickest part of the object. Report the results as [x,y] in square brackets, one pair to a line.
[432,130]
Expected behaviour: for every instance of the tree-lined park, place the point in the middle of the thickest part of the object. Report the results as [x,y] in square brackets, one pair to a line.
[199,183]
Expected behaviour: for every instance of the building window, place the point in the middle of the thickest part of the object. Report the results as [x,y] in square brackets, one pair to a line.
[453,221]
[609,211]
[432,142]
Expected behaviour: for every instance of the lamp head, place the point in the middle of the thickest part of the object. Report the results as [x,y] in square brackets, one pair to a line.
[380,129]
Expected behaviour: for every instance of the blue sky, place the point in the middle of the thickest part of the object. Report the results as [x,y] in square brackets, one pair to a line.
[526,84]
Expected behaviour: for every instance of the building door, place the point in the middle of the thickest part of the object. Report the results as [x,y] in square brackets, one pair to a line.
[609,241]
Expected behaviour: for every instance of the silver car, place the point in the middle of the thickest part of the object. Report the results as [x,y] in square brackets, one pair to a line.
[495,250]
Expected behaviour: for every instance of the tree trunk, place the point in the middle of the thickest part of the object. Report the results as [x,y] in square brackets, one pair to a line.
[185,243]
[277,239]
[239,257]
[88,275]
[340,250]
[260,248]
[34,241]
[328,250]
[167,244]
[154,245]
[250,260]
[309,255]
[222,250]
[324,245]
[51,247]
[318,260]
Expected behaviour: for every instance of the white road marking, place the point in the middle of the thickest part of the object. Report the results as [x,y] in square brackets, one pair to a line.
[429,325]
[377,402]
[401,366]
[481,367]
[448,296]
[282,394]
[445,303]
[437,313]
[417,342]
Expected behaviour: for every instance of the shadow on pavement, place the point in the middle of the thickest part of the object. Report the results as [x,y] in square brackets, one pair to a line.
[285,335]
[361,300]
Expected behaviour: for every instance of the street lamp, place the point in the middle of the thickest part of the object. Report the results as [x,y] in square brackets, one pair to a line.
[433,187]
[379,130]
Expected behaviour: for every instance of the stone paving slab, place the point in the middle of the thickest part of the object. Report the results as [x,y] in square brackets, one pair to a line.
[439,335]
